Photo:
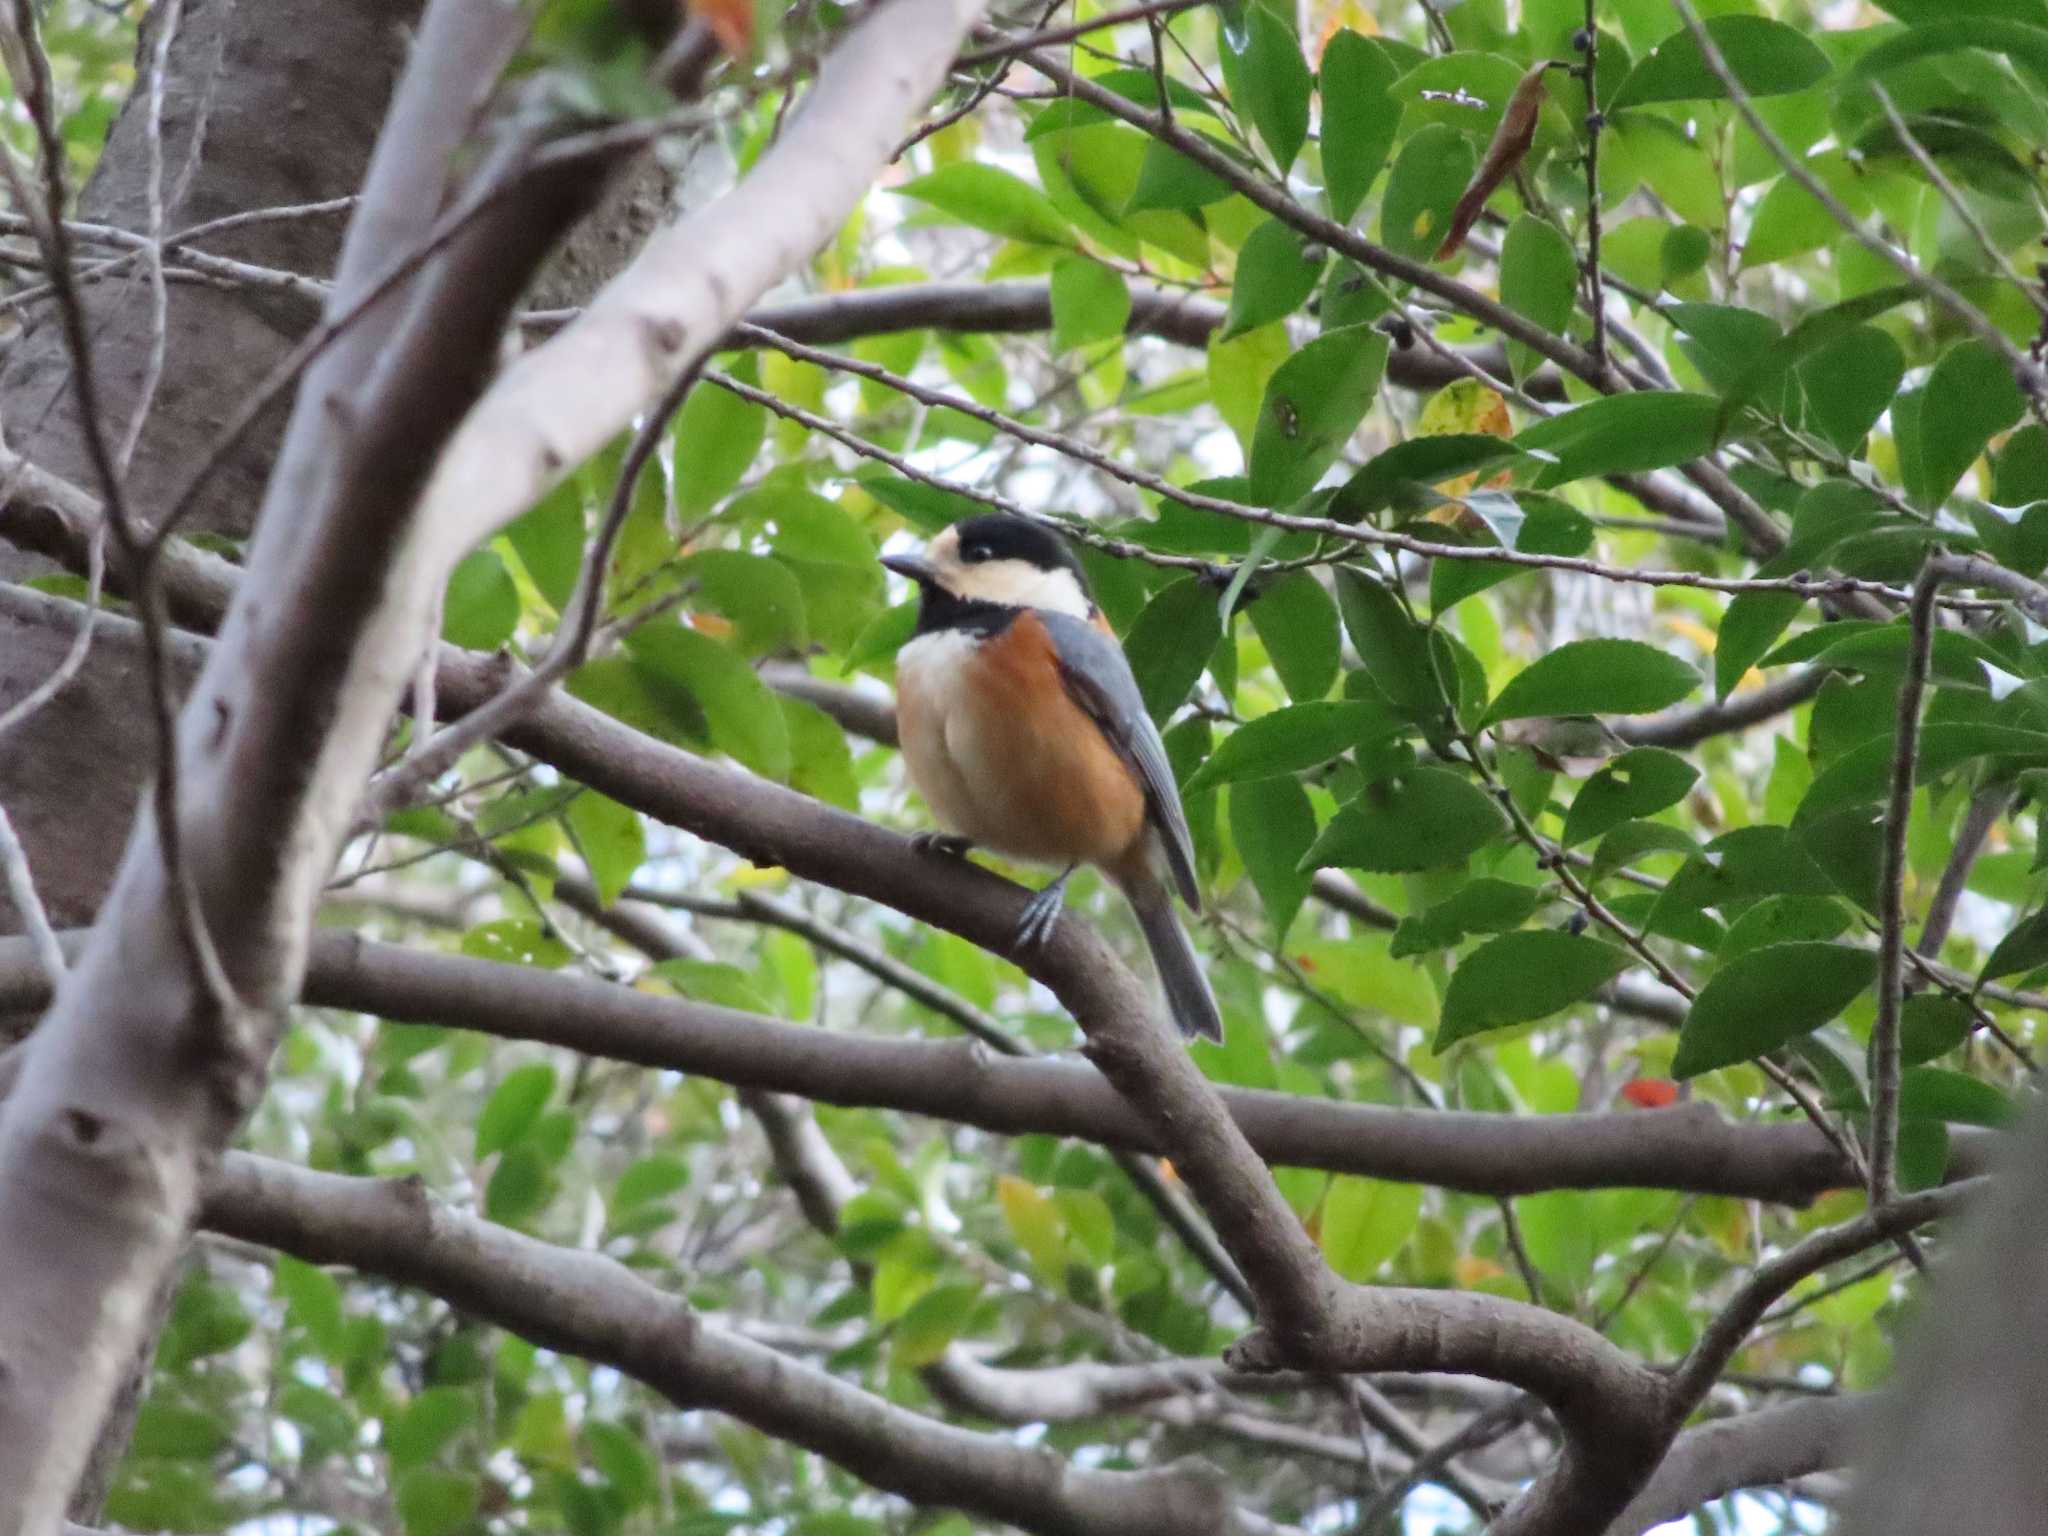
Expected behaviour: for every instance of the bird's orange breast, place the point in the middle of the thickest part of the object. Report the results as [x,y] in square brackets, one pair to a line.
[1004,755]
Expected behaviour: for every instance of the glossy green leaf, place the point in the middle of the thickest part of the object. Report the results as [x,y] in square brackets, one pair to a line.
[1169,180]
[1766,997]
[1595,677]
[1276,270]
[2024,947]
[716,436]
[1090,302]
[1429,176]
[1971,398]
[610,839]
[993,200]
[1849,383]
[1522,976]
[1484,905]
[513,1107]
[1365,1222]
[1291,739]
[1750,626]
[1277,83]
[1312,404]
[1296,621]
[1428,818]
[1784,920]
[1171,643]
[1623,434]
[481,610]
[548,538]
[1767,57]
[1863,774]
[1539,280]
[744,718]
[1272,825]
[759,594]
[1932,1024]
[1359,118]
[1935,1093]
[1410,467]
[1394,648]
[1761,372]
[1636,784]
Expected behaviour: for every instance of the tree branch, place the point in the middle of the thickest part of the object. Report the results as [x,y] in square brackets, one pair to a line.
[1751,1450]
[587,1305]
[1686,1147]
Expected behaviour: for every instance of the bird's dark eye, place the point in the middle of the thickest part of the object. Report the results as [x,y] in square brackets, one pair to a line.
[974,553]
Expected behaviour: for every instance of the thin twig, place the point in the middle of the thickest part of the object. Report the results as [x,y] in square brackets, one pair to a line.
[1891,897]
[1588,42]
[28,905]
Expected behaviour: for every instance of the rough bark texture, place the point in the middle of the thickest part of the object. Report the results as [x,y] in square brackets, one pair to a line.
[265,106]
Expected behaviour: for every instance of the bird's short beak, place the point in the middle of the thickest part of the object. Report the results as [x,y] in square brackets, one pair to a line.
[916,567]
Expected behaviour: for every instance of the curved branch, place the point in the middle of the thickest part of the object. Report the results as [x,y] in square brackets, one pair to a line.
[594,1307]
[1752,1450]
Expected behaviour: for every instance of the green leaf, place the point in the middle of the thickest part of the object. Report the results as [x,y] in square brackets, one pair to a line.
[651,1178]
[1169,180]
[1539,280]
[1035,1223]
[744,717]
[1485,905]
[821,763]
[712,981]
[1636,784]
[1288,740]
[1971,398]
[2023,948]
[432,1502]
[1239,370]
[1766,997]
[1862,774]
[1276,84]
[1394,648]
[1934,1093]
[312,1300]
[1429,176]
[1767,57]
[993,200]
[1428,818]
[1366,1222]
[481,610]
[1849,384]
[1623,434]
[1521,976]
[1090,302]
[1313,403]
[1359,119]
[1595,677]
[520,1185]
[1276,270]
[759,594]
[716,436]
[611,840]
[1414,465]
[1932,1024]
[513,1107]
[516,941]
[176,1431]
[1750,626]
[1272,824]
[1784,920]
[1296,621]
[1817,332]
[932,1322]
[433,1418]
[548,538]
[1171,643]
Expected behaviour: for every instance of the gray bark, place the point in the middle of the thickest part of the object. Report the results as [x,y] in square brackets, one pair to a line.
[265,105]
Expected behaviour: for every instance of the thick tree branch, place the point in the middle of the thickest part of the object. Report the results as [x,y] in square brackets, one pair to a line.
[1687,1147]
[1752,1450]
[587,1305]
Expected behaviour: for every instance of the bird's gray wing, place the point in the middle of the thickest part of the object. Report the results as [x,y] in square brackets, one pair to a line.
[1099,679]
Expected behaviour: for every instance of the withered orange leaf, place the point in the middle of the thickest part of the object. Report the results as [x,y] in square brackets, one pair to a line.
[731,22]
[1511,141]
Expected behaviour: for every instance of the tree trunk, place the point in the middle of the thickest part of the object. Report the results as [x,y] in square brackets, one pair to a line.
[265,105]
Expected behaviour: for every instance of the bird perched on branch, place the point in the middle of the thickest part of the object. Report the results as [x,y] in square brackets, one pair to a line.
[1025,732]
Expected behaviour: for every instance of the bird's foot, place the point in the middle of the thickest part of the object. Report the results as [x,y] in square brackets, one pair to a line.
[941,845]
[1042,914]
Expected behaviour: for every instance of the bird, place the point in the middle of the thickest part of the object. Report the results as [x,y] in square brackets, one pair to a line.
[1023,727]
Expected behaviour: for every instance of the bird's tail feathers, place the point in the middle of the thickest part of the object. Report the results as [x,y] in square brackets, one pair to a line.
[1188,997]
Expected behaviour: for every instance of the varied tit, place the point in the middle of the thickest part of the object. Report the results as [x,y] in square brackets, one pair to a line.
[1024,730]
